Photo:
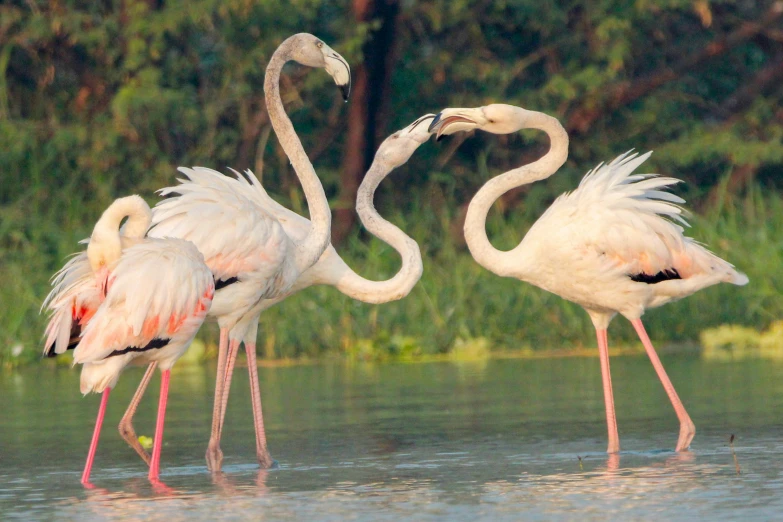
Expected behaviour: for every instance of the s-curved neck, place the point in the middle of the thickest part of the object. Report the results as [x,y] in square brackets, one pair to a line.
[105,239]
[494,260]
[352,284]
[132,207]
[315,242]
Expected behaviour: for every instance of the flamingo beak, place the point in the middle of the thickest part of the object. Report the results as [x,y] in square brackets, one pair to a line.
[345,90]
[449,121]
[339,70]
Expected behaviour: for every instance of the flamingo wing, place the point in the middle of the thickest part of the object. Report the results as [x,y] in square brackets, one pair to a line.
[296,226]
[74,298]
[629,223]
[159,290]
[238,237]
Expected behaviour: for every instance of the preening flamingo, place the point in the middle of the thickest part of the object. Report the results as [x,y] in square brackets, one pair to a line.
[613,245]
[247,248]
[127,298]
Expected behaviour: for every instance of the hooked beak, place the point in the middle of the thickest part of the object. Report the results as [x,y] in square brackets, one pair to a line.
[339,70]
[449,121]
[345,90]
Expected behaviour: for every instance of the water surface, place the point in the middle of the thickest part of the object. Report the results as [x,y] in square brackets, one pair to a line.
[494,440]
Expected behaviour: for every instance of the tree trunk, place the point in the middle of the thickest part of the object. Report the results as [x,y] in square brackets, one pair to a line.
[368,99]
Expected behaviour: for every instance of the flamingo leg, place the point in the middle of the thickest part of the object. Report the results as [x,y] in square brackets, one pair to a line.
[687,428]
[264,458]
[214,455]
[126,423]
[157,445]
[233,351]
[606,376]
[95,436]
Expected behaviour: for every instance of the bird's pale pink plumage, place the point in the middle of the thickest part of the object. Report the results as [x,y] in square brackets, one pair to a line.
[614,245]
[236,235]
[73,300]
[156,284]
[617,224]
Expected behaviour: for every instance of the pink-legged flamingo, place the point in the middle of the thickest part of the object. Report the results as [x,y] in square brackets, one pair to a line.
[613,245]
[207,191]
[249,251]
[127,298]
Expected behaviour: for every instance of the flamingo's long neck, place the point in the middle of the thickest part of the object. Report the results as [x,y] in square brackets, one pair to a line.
[499,262]
[312,246]
[132,207]
[105,244]
[352,284]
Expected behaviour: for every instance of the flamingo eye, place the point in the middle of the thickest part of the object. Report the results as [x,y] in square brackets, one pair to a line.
[319,44]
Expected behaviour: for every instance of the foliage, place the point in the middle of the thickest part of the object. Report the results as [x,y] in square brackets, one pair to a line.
[458,306]
[100,99]
[731,342]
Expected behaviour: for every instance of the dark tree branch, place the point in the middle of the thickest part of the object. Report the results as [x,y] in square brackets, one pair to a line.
[626,92]
[743,97]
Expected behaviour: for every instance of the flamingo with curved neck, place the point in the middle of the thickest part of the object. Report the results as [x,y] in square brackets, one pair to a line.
[125,298]
[331,269]
[613,245]
[299,47]
[249,252]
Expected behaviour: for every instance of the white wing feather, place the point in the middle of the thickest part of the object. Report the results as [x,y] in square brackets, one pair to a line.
[228,222]
[629,220]
[74,293]
[155,288]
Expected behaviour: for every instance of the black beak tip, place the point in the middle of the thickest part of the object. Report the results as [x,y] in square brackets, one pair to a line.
[439,137]
[345,90]
[435,121]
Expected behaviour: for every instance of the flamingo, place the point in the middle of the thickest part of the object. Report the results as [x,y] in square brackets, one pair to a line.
[125,298]
[204,186]
[249,251]
[613,245]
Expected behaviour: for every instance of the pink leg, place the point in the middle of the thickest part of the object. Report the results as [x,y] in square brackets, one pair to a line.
[95,436]
[264,458]
[126,423]
[606,376]
[214,455]
[687,428]
[233,351]
[164,393]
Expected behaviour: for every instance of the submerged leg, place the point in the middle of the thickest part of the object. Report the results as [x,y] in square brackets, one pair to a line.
[214,455]
[158,444]
[264,458]
[687,428]
[95,436]
[231,359]
[126,423]
[606,376]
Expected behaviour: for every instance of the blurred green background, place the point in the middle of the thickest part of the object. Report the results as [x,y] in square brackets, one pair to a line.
[101,99]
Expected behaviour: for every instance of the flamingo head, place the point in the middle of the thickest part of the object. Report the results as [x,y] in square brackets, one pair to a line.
[312,51]
[497,118]
[398,148]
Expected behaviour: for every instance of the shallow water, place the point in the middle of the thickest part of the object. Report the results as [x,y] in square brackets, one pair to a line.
[496,440]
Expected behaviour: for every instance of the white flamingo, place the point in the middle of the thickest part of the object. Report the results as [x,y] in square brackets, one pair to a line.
[612,246]
[210,194]
[251,255]
[127,298]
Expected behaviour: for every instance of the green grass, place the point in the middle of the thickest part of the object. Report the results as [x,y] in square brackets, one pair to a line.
[456,304]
